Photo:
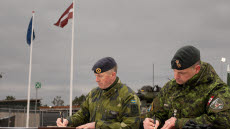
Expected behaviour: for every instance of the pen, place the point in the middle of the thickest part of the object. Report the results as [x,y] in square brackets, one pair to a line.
[61,114]
[154,121]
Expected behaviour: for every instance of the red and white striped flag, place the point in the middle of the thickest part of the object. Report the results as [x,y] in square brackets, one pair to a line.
[68,14]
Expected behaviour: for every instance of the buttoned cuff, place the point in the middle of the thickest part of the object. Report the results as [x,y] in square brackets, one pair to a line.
[159,121]
[69,121]
[179,124]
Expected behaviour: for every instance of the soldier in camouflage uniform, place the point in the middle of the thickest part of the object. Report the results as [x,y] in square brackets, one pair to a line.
[111,105]
[196,95]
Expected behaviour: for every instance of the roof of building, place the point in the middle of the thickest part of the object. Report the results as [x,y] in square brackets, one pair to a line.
[20,100]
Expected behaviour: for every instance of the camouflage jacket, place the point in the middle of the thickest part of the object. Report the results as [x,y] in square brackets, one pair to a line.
[204,99]
[119,107]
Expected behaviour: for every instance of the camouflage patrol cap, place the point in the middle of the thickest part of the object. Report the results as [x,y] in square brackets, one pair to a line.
[185,57]
[104,65]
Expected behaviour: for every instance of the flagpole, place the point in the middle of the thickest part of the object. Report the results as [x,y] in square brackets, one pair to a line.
[71,68]
[30,67]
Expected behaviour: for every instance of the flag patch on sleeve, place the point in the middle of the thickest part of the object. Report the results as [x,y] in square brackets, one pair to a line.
[133,101]
[210,100]
[217,104]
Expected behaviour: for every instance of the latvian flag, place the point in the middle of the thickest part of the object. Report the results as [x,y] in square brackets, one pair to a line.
[68,14]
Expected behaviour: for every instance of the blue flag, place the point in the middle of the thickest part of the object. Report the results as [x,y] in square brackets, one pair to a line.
[29,32]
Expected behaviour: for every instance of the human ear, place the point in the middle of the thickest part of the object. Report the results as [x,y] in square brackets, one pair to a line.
[113,73]
[197,68]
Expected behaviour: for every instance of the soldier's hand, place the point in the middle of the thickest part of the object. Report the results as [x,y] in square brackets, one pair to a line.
[170,123]
[148,123]
[60,124]
[87,126]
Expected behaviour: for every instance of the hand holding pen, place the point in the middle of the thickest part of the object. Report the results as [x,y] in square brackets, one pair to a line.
[61,122]
[150,123]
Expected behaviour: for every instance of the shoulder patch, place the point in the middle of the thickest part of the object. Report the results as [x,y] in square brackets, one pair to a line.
[217,104]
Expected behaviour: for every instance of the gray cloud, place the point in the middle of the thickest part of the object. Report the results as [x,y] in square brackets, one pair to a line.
[137,33]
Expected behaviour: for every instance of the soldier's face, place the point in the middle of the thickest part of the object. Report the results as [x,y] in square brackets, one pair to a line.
[182,76]
[105,79]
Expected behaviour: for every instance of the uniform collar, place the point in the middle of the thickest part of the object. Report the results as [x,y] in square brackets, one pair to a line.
[113,88]
[206,74]
[112,85]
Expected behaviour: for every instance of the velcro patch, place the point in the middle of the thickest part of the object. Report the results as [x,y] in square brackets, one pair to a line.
[217,104]
[134,108]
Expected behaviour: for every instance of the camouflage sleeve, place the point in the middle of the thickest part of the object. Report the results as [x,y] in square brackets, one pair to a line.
[157,107]
[130,115]
[82,116]
[218,112]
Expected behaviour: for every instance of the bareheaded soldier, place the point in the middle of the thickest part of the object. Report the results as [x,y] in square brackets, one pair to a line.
[112,105]
[195,98]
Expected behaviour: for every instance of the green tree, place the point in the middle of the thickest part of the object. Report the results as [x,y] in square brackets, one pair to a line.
[79,100]
[10,98]
[58,101]
[75,101]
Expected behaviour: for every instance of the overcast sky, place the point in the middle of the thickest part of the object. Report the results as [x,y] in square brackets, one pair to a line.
[136,33]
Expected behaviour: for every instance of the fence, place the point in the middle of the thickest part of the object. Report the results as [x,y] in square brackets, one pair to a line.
[7,121]
[40,118]
[20,117]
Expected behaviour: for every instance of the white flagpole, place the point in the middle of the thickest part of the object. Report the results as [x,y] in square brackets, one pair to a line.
[71,68]
[30,67]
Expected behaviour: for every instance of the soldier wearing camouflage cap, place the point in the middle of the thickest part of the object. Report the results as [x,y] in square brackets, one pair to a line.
[111,105]
[195,95]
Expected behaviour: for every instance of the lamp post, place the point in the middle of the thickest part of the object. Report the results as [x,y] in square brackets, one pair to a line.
[153,75]
[37,86]
[228,75]
[221,69]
